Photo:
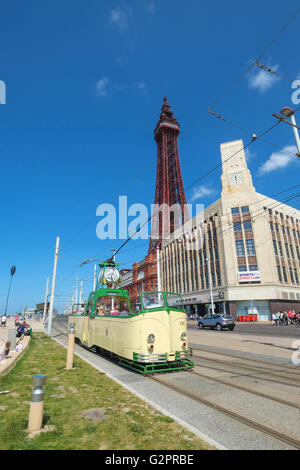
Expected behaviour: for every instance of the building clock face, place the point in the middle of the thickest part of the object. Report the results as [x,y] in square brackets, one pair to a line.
[235,178]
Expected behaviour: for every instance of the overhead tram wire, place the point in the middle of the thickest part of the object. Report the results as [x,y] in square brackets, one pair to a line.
[218,116]
[235,82]
[254,139]
[227,91]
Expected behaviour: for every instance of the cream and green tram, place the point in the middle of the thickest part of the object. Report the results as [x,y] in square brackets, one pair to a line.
[153,339]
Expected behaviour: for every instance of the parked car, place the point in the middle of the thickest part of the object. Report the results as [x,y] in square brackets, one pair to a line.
[218,321]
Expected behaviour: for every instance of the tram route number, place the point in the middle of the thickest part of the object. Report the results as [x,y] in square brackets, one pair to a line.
[153,459]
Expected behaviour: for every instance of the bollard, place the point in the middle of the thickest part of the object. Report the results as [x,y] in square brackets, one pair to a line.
[70,353]
[37,403]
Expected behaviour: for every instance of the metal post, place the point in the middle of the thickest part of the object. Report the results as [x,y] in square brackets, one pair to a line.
[50,315]
[37,403]
[46,300]
[76,291]
[95,276]
[80,292]
[295,130]
[210,287]
[70,352]
[158,271]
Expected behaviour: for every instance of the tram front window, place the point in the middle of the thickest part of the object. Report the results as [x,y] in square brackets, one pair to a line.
[175,301]
[114,306]
[152,300]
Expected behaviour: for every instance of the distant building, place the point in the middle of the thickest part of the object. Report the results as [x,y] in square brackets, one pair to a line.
[252,243]
[142,277]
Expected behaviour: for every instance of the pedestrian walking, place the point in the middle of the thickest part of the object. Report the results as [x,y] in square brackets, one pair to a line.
[278,318]
[290,316]
[274,319]
[3,321]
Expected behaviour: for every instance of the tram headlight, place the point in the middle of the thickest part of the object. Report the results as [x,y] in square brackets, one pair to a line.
[183,335]
[151,338]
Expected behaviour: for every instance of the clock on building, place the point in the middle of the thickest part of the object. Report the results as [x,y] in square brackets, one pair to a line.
[235,178]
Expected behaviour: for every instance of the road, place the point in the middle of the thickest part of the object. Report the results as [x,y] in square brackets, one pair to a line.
[257,329]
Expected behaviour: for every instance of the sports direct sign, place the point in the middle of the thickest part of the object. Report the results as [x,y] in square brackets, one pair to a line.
[249,276]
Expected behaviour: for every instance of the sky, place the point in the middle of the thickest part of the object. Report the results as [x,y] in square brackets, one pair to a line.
[84,86]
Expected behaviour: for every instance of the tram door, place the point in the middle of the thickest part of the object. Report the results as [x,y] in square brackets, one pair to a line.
[85,334]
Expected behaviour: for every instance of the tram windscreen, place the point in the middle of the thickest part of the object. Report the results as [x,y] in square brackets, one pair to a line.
[175,301]
[152,300]
[112,305]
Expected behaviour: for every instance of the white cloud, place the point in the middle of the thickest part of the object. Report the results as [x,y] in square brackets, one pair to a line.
[279,159]
[101,87]
[201,192]
[263,80]
[150,7]
[248,154]
[119,17]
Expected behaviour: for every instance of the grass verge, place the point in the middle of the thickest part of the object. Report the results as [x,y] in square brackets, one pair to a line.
[83,409]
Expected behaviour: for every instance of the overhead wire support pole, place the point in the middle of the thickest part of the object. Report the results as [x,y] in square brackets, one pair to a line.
[50,315]
[46,300]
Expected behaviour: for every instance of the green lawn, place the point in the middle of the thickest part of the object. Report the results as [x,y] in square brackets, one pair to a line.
[128,422]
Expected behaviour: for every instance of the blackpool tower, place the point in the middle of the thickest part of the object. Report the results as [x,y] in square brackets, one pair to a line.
[169,192]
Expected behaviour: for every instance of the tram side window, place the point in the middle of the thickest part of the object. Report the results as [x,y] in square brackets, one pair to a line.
[153,300]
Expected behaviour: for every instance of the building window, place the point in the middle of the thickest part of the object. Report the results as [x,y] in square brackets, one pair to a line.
[298,252]
[253,267]
[270,211]
[279,273]
[240,250]
[237,226]
[235,210]
[283,230]
[292,252]
[216,253]
[292,275]
[250,247]
[296,276]
[247,225]
[219,277]
[242,269]
[275,248]
[287,250]
[272,226]
[245,209]
[280,248]
[284,274]
[288,231]
[276,228]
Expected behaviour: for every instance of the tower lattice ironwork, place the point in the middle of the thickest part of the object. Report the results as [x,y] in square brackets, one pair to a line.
[170,210]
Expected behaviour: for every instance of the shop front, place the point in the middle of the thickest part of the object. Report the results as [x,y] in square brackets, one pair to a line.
[253,310]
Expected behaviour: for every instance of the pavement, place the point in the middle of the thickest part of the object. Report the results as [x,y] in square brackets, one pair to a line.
[14,356]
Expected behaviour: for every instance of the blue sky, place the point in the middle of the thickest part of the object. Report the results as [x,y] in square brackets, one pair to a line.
[84,87]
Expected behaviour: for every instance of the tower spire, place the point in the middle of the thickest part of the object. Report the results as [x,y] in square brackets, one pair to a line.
[170,200]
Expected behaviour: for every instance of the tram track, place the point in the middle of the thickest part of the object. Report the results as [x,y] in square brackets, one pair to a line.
[252,376]
[245,389]
[279,373]
[247,359]
[295,443]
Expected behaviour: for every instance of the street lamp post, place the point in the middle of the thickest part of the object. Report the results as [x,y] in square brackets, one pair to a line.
[12,272]
[210,287]
[288,112]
